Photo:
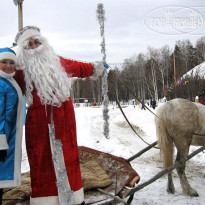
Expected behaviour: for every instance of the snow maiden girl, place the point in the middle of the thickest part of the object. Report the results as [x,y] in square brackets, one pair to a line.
[11,122]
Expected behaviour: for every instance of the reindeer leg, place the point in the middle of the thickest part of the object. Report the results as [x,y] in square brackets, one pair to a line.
[187,189]
[170,185]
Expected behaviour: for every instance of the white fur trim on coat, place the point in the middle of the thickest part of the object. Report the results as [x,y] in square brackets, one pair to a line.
[3,142]
[78,198]
[49,200]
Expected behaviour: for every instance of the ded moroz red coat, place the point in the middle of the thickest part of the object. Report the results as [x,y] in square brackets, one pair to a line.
[43,179]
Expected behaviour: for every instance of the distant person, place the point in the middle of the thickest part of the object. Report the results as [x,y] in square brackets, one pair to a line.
[153,103]
[143,105]
[11,122]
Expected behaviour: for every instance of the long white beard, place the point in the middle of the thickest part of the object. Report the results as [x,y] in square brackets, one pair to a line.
[42,69]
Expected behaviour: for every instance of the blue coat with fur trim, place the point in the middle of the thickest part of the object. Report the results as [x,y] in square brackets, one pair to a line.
[11,124]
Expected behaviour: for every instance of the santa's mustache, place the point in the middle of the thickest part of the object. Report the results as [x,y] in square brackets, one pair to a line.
[35,51]
[43,70]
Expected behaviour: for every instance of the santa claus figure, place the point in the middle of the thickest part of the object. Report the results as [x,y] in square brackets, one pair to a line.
[51,140]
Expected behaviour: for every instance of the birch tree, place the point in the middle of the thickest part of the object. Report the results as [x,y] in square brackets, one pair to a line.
[153,55]
[200,50]
[164,64]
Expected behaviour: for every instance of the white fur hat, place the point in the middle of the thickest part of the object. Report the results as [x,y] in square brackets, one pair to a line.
[7,53]
[26,33]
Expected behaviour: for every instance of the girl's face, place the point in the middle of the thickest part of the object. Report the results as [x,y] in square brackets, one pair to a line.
[7,66]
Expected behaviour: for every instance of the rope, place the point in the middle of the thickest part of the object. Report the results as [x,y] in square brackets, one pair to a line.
[118,103]
[131,92]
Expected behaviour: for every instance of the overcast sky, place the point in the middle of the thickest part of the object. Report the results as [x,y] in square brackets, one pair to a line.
[71,26]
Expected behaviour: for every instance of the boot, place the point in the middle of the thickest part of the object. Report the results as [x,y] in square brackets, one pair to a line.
[1,194]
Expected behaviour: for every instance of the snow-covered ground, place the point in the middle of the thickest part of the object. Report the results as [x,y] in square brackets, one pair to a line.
[123,142]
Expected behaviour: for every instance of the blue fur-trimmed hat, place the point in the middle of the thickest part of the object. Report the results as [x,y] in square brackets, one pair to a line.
[7,53]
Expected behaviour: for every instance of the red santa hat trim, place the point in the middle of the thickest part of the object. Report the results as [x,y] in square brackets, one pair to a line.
[26,33]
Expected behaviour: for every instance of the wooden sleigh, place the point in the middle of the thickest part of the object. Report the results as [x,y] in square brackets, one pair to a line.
[107,179]
[102,175]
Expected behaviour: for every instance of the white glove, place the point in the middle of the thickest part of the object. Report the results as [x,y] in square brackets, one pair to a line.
[3,142]
[98,68]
